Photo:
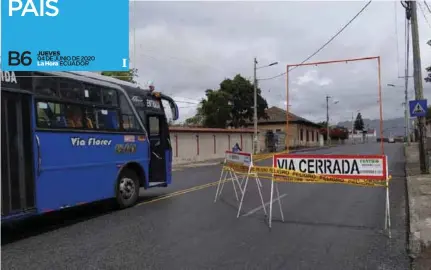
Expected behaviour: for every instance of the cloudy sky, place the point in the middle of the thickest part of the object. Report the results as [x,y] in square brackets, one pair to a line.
[188,47]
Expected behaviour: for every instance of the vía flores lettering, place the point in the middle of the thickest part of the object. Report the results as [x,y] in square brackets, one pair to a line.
[77,141]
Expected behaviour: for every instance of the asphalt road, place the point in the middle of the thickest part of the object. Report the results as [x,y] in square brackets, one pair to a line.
[327,226]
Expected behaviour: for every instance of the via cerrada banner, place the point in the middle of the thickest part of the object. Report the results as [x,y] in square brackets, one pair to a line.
[348,166]
[64,35]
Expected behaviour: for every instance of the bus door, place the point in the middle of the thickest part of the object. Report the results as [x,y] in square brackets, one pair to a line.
[158,145]
[17,162]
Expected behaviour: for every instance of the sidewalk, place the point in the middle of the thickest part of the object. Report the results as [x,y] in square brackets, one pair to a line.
[212,162]
[419,196]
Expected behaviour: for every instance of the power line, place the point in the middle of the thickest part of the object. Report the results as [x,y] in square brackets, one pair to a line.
[192,99]
[428,7]
[186,107]
[187,102]
[423,14]
[179,59]
[324,45]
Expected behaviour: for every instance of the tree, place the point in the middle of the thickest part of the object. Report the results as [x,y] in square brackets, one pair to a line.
[196,120]
[231,104]
[322,124]
[428,116]
[216,109]
[241,96]
[359,123]
[128,76]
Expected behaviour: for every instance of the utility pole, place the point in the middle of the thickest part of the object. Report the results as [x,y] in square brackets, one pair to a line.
[255,80]
[353,128]
[327,120]
[255,106]
[417,73]
[406,98]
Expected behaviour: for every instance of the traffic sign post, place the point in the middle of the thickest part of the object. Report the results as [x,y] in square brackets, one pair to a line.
[418,108]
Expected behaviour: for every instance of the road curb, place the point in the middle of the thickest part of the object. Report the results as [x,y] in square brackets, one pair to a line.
[300,150]
[210,162]
[312,149]
[219,161]
[418,201]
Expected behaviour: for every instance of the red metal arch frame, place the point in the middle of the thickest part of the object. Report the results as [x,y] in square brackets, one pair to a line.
[382,150]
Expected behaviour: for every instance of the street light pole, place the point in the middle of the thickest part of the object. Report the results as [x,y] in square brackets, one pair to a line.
[255,80]
[406,109]
[327,120]
[255,106]
[353,127]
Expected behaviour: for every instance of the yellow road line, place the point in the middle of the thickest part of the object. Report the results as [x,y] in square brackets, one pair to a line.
[184,191]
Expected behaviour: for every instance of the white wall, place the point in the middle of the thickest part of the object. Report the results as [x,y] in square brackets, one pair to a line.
[359,135]
[202,144]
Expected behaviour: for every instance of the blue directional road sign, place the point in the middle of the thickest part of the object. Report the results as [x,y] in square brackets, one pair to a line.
[418,107]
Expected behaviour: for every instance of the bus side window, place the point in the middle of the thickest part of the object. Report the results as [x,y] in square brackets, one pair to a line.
[70,89]
[130,123]
[107,119]
[97,118]
[92,94]
[74,117]
[51,115]
[154,126]
[109,97]
[44,85]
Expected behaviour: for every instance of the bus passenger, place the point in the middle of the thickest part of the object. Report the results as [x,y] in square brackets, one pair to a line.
[74,118]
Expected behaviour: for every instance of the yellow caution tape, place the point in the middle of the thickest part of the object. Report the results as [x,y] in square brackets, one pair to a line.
[353,182]
[258,157]
[282,175]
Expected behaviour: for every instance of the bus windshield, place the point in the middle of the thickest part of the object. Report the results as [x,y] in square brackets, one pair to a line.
[172,105]
[146,102]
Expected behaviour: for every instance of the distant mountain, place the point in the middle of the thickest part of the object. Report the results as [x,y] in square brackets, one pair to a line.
[390,126]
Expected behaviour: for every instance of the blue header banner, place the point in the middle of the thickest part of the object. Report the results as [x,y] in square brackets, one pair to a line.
[64,35]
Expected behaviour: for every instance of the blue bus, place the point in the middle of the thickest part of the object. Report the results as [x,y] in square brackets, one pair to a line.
[71,138]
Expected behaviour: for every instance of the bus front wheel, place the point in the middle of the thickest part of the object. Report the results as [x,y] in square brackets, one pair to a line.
[127,190]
